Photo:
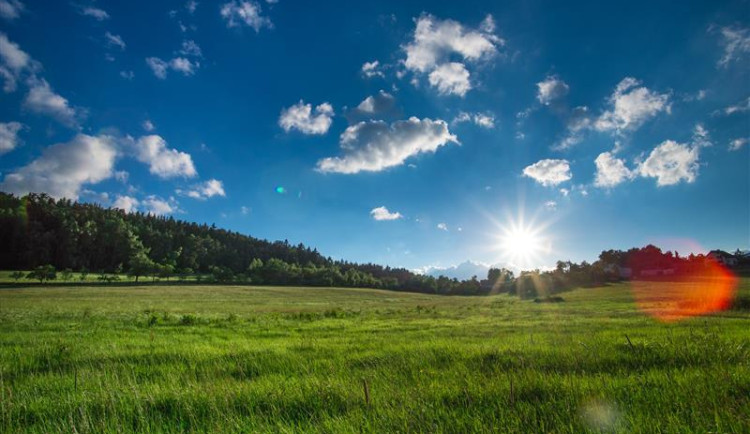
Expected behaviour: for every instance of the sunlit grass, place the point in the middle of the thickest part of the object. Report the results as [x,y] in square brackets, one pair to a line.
[173,359]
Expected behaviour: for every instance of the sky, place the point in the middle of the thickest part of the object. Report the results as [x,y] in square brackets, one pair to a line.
[413,134]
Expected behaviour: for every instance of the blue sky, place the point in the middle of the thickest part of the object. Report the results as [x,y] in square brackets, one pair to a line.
[414,134]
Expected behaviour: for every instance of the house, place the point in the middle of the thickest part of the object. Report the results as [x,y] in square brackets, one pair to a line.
[723,258]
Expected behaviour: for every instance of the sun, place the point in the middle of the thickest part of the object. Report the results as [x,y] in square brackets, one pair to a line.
[521,241]
[520,244]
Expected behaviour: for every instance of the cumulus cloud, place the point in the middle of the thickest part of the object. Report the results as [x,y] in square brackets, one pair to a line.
[631,105]
[127,75]
[158,67]
[190,48]
[382,102]
[183,65]
[41,99]
[158,206]
[382,213]
[671,163]
[550,89]
[484,120]
[451,79]
[436,40]
[734,145]
[374,145]
[205,190]
[442,226]
[549,172]
[163,161]
[148,125]
[126,203]
[11,9]
[611,171]
[64,168]
[736,42]
[372,69]
[9,136]
[436,43]
[95,13]
[238,13]
[114,40]
[300,117]
[180,64]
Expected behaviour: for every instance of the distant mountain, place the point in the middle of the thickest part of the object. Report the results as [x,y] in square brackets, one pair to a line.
[462,271]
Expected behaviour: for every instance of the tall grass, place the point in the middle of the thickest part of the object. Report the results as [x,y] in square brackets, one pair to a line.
[246,359]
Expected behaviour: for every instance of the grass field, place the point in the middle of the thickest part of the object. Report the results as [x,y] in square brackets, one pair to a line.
[262,359]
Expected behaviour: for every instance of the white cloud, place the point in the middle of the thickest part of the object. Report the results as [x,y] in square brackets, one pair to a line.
[442,226]
[372,69]
[736,41]
[578,121]
[96,13]
[631,106]
[373,146]
[204,190]
[734,145]
[12,56]
[381,213]
[611,171]
[11,9]
[245,210]
[9,136]
[126,203]
[701,138]
[191,6]
[9,80]
[435,41]
[190,48]
[550,89]
[451,79]
[237,13]
[488,24]
[158,66]
[127,75]
[114,40]
[179,64]
[64,168]
[379,103]
[183,65]
[671,163]
[738,108]
[549,172]
[148,125]
[163,162]
[300,117]
[158,206]
[484,120]
[551,205]
[43,100]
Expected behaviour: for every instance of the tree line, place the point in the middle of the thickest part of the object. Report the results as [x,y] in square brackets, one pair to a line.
[42,234]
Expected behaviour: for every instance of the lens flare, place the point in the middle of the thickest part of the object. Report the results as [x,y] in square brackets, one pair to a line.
[280,190]
[683,289]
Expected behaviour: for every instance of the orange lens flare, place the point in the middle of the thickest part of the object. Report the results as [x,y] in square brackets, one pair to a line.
[674,295]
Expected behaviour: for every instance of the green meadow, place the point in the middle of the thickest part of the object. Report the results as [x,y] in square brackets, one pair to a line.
[279,359]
